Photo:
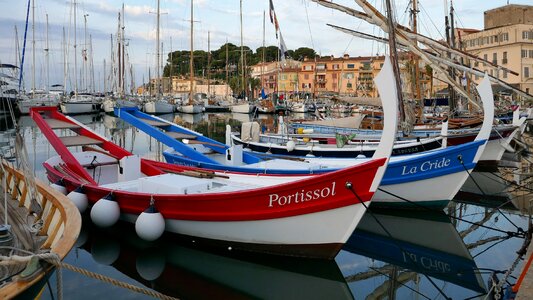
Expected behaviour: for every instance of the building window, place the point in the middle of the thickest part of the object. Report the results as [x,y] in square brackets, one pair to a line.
[348,76]
[485,57]
[504,73]
[505,36]
[351,66]
[524,53]
[284,77]
[334,76]
[504,60]
[495,58]
[308,68]
[306,76]
[530,53]
[525,35]
[526,72]
[349,85]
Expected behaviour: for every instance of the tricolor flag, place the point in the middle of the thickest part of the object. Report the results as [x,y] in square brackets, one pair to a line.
[283,51]
[273,18]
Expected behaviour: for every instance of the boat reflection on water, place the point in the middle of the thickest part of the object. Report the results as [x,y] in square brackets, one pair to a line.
[184,272]
[424,242]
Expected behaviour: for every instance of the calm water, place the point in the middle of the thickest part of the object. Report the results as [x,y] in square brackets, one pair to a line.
[393,254]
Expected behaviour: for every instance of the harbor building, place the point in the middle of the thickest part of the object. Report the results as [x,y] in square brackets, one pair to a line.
[506,40]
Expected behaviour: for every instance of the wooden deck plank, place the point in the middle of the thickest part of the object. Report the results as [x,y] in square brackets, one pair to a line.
[178,135]
[78,140]
[154,122]
[57,124]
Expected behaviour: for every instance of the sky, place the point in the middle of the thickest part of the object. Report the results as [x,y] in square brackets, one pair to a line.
[302,23]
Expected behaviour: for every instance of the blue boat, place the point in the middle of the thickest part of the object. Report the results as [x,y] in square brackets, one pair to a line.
[409,180]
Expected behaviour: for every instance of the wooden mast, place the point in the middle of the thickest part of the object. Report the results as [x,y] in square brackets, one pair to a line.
[418,95]
[394,60]
[158,78]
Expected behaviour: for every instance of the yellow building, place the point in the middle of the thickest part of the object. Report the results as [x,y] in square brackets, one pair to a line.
[506,40]
[344,75]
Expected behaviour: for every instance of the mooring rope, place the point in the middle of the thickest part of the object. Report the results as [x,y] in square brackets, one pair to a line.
[118,283]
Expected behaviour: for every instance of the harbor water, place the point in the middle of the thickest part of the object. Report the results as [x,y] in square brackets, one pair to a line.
[397,254]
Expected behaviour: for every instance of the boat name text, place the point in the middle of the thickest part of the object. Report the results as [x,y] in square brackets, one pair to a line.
[303,196]
[427,166]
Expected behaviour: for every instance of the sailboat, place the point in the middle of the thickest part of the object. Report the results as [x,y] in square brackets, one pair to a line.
[158,105]
[191,107]
[244,107]
[78,103]
[39,97]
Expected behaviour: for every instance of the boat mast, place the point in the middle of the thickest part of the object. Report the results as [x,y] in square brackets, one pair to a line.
[123,44]
[263,54]
[46,51]
[75,55]
[453,104]
[242,57]
[414,28]
[227,78]
[208,64]
[157,51]
[33,48]
[191,60]
[394,59]
[85,43]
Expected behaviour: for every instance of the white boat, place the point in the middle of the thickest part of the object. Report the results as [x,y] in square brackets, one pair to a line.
[299,107]
[80,104]
[157,107]
[242,108]
[39,98]
[110,104]
[8,86]
[191,109]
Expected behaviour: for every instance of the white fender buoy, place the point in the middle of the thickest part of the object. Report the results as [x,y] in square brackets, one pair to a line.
[58,186]
[150,265]
[150,224]
[290,145]
[105,212]
[79,199]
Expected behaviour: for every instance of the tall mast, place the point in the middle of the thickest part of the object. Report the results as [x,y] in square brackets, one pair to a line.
[452,104]
[157,50]
[191,63]
[46,51]
[75,55]
[394,57]
[414,28]
[105,83]
[123,44]
[33,48]
[227,79]
[65,67]
[242,56]
[263,54]
[85,43]
[91,63]
[119,56]
[208,63]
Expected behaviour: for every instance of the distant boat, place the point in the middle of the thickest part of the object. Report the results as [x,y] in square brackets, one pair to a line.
[158,107]
[80,104]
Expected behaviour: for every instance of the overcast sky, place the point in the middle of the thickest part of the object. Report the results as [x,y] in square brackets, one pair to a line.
[302,23]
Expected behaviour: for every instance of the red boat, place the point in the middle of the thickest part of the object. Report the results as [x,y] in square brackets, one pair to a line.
[301,216]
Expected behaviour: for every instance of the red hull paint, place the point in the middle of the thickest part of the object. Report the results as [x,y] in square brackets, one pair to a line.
[255,204]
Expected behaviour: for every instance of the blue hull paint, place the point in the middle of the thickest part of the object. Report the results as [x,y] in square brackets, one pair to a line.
[404,169]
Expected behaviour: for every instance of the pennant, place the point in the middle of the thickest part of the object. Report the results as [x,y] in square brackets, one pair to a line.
[273,18]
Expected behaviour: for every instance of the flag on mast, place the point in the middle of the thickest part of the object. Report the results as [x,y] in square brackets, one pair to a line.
[283,51]
[273,18]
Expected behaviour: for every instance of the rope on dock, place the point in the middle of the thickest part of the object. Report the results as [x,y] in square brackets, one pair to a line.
[117,282]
